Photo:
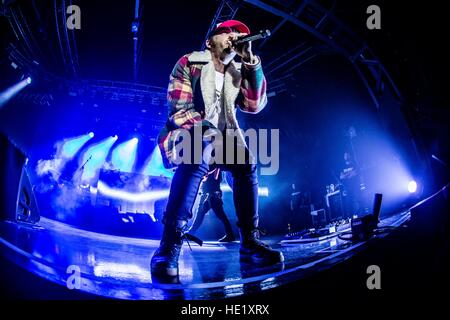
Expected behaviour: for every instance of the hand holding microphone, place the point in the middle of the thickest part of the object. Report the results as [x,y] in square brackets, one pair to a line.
[251,37]
[242,44]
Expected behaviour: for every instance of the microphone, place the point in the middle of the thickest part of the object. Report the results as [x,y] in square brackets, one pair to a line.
[251,37]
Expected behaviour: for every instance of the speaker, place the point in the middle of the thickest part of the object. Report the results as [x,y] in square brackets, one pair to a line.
[27,208]
[18,200]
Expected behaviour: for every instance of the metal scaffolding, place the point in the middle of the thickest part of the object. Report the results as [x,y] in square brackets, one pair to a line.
[66,38]
[327,33]
[119,91]
[226,11]
[137,28]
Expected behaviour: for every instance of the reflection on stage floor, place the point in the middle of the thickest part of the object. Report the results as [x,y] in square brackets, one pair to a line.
[118,267]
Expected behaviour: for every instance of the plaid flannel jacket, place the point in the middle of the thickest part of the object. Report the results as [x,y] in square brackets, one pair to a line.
[194,74]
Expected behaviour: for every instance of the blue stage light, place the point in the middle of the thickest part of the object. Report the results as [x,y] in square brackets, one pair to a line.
[69,147]
[124,155]
[262,191]
[9,93]
[412,186]
[130,196]
[125,271]
[28,80]
[93,159]
[154,165]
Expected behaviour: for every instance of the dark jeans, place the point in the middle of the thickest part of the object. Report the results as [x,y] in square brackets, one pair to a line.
[186,182]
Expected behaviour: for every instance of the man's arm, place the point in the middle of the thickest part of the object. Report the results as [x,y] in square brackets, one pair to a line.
[182,113]
[253,96]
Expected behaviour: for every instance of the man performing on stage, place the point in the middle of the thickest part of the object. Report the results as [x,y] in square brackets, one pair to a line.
[205,89]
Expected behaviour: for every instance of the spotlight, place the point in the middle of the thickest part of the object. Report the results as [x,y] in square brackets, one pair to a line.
[124,155]
[93,159]
[103,188]
[10,92]
[70,146]
[262,191]
[115,137]
[412,186]
[154,165]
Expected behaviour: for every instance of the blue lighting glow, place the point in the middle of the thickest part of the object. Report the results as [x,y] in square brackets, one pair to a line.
[124,155]
[121,271]
[262,191]
[71,146]
[129,196]
[412,186]
[96,154]
[154,165]
[9,93]
[28,80]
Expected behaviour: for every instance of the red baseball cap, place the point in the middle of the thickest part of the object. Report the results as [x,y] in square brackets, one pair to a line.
[233,24]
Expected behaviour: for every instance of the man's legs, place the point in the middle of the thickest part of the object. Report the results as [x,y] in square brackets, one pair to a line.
[245,195]
[183,191]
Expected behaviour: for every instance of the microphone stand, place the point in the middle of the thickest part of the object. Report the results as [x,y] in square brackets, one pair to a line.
[78,174]
[84,164]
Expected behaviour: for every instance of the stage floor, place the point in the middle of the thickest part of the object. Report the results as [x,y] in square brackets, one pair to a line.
[118,267]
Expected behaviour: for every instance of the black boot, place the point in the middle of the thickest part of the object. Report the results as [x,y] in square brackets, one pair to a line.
[164,262]
[255,251]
